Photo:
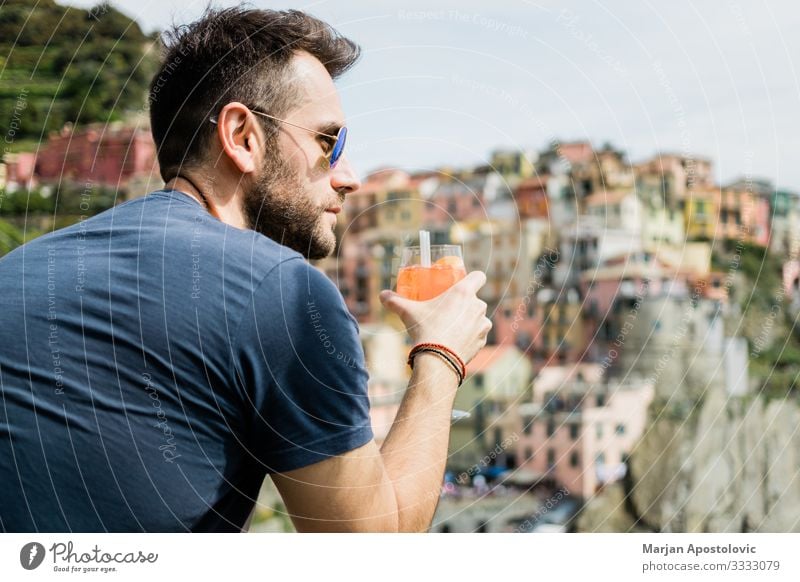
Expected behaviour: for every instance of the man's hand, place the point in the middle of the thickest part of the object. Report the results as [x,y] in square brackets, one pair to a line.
[396,487]
[456,318]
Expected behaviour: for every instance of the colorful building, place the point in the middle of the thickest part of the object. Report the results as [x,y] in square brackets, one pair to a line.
[586,244]
[467,197]
[616,210]
[507,251]
[580,427]
[532,198]
[19,171]
[785,227]
[676,176]
[498,379]
[615,293]
[400,206]
[514,163]
[547,325]
[103,155]
[744,212]
[701,212]
[360,209]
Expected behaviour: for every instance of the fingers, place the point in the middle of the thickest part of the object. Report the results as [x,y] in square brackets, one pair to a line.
[472,282]
[394,302]
[385,295]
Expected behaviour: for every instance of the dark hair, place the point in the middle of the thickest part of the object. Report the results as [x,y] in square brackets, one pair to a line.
[232,54]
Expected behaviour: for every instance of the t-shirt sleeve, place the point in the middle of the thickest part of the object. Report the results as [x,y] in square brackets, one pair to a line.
[303,369]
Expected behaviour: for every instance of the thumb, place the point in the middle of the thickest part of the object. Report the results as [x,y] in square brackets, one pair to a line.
[393,302]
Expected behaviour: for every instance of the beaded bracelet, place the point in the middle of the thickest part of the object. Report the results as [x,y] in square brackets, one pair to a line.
[446,350]
[445,353]
[443,356]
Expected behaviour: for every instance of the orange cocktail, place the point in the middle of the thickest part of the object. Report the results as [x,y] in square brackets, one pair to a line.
[422,283]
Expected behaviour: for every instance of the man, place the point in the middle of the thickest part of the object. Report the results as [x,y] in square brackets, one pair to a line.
[161,358]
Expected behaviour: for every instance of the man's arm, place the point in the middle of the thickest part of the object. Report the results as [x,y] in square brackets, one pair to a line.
[396,487]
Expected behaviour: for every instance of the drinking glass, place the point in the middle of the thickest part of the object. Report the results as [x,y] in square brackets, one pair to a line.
[420,283]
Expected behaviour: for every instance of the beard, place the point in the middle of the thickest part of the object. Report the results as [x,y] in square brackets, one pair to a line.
[279,207]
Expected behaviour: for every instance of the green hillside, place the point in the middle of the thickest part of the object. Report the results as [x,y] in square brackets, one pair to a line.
[59,64]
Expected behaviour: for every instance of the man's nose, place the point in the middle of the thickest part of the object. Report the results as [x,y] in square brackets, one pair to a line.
[343,177]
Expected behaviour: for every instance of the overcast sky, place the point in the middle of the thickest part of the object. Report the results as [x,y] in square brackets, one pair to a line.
[450,83]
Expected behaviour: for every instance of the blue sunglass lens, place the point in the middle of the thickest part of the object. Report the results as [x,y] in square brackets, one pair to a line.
[338,147]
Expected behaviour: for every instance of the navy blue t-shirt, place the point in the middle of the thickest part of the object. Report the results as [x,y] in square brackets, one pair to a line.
[156,364]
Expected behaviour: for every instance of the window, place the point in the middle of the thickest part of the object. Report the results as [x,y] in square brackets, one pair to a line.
[601,400]
[599,430]
[574,459]
[620,429]
[551,458]
[551,426]
[479,381]
[608,328]
[528,453]
[601,459]
[573,431]
[528,426]
[440,238]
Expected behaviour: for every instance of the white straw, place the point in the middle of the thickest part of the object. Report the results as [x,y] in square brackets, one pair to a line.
[425,248]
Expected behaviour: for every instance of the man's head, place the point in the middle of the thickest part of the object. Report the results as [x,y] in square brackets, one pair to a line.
[221,69]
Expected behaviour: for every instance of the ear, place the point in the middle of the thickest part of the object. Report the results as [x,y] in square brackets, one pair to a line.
[239,136]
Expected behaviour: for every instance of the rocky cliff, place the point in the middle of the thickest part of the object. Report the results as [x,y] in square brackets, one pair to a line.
[732,469]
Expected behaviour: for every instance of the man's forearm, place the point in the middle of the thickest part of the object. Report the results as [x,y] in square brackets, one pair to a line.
[415,450]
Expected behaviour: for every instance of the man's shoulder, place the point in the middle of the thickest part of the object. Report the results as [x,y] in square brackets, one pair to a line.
[191,228]
[295,293]
[293,278]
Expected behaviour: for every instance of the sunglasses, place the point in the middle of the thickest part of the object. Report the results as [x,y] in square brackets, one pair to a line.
[338,140]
